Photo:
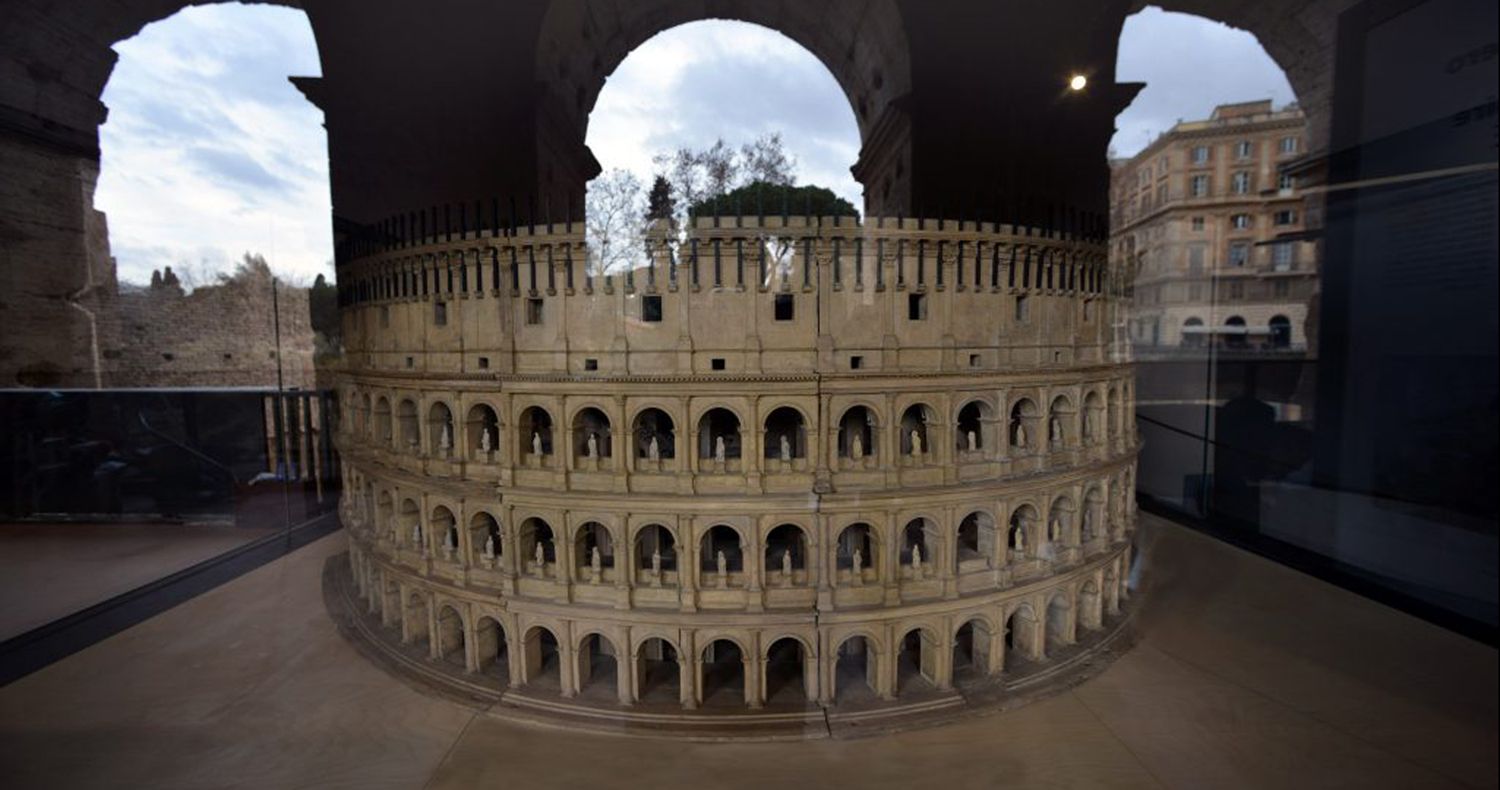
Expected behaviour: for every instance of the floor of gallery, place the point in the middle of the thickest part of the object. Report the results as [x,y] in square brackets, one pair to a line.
[1246,674]
[53,569]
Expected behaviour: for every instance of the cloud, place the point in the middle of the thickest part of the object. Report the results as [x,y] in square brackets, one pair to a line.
[1190,65]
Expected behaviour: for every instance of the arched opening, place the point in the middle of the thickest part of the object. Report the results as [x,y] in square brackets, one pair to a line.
[1093,418]
[534,432]
[364,420]
[1022,428]
[594,553]
[411,431]
[971,650]
[1021,537]
[974,421]
[383,432]
[537,549]
[484,539]
[1281,331]
[914,429]
[658,672]
[976,541]
[1060,522]
[655,436]
[1059,624]
[1236,333]
[786,435]
[450,627]
[1093,515]
[542,661]
[440,431]
[385,515]
[598,668]
[1059,423]
[490,647]
[916,662]
[1192,333]
[1020,635]
[1090,613]
[483,432]
[723,674]
[786,554]
[409,526]
[390,605]
[444,530]
[591,435]
[656,554]
[854,671]
[855,560]
[719,436]
[786,672]
[414,619]
[919,547]
[720,557]
[857,434]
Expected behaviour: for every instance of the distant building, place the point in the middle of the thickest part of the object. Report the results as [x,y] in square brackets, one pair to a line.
[1214,230]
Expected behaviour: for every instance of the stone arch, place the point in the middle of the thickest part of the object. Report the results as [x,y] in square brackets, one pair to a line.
[409,525]
[482,431]
[787,661]
[918,423]
[976,540]
[916,659]
[858,432]
[856,668]
[591,423]
[1020,632]
[726,539]
[715,424]
[1093,418]
[1059,427]
[364,423]
[491,646]
[1192,332]
[390,601]
[1060,517]
[975,419]
[1092,520]
[439,430]
[486,541]
[1090,609]
[1059,632]
[1023,425]
[1021,538]
[857,541]
[534,432]
[925,533]
[971,647]
[652,540]
[658,669]
[385,513]
[587,538]
[410,428]
[451,646]
[443,527]
[1235,332]
[414,613]
[654,423]
[790,541]
[1280,331]
[598,660]
[542,660]
[789,423]
[384,431]
[536,532]
[722,667]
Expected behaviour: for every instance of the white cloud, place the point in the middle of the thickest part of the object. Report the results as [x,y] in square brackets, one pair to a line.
[209,152]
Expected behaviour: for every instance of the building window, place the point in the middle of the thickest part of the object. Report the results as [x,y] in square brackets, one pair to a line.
[916,307]
[440,313]
[1240,221]
[1200,155]
[1161,194]
[1196,254]
[1023,310]
[1243,149]
[1285,217]
[1281,289]
[591,364]
[1239,183]
[785,307]
[1288,145]
[484,363]
[1236,290]
[411,362]
[716,363]
[1239,253]
[856,362]
[651,309]
[1197,224]
[974,358]
[1198,186]
[385,317]
[1281,256]
[1195,292]
[533,311]
[1286,183]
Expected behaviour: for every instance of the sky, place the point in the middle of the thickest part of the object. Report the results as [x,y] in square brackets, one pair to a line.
[209,152]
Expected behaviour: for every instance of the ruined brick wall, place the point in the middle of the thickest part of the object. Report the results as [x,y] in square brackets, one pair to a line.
[216,336]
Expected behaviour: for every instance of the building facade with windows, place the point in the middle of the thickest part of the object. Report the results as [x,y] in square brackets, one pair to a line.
[1213,230]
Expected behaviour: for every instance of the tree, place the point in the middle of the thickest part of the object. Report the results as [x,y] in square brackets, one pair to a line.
[766,160]
[614,217]
[659,204]
[769,198]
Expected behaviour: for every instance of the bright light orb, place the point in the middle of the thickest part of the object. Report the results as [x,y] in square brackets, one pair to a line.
[1078,82]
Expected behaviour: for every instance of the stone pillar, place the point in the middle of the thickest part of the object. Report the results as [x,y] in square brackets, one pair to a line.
[689,666]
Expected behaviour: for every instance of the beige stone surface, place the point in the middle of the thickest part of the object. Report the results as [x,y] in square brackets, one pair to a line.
[1247,675]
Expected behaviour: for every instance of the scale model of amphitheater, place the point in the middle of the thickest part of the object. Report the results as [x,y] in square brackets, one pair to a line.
[789,475]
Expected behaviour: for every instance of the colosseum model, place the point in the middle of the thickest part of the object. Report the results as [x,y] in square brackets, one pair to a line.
[787,477]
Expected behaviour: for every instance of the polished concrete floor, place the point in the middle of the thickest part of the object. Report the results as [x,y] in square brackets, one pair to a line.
[1246,675]
[53,569]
